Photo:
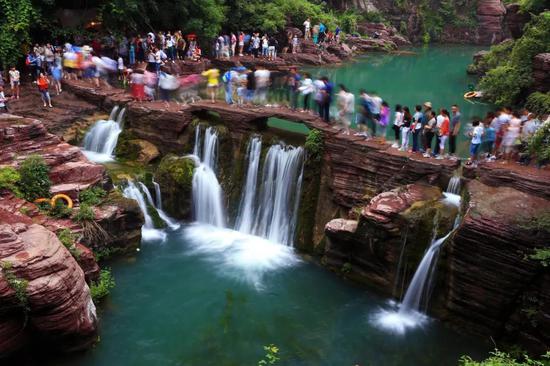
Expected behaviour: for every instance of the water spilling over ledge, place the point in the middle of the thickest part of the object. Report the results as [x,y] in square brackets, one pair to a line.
[100,142]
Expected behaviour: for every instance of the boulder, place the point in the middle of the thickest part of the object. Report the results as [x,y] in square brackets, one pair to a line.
[516,20]
[136,150]
[490,16]
[175,177]
[43,292]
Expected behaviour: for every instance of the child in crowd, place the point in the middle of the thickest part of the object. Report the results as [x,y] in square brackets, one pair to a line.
[476,134]
[488,142]
[397,123]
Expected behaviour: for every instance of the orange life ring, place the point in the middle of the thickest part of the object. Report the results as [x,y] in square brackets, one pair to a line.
[63,197]
[471,94]
[40,200]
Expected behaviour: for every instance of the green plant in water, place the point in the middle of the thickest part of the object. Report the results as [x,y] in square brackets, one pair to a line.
[92,196]
[499,358]
[102,287]
[34,180]
[105,253]
[271,355]
[18,285]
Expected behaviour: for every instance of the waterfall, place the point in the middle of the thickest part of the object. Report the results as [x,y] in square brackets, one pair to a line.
[158,196]
[245,220]
[454,185]
[163,216]
[281,181]
[148,231]
[100,141]
[197,147]
[415,302]
[207,192]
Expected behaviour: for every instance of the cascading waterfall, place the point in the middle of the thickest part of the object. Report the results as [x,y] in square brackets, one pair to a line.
[158,197]
[148,231]
[279,197]
[207,192]
[454,185]
[245,220]
[415,302]
[163,216]
[100,142]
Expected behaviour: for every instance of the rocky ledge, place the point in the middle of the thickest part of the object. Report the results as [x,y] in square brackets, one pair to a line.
[43,293]
[494,286]
[384,245]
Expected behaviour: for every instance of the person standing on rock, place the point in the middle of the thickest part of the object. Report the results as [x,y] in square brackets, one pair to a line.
[241,44]
[427,116]
[307,88]
[429,129]
[346,107]
[14,82]
[455,129]
[326,100]
[406,129]
[307,29]
[212,82]
[416,129]
[43,86]
[444,132]
[397,123]
[292,83]
[3,99]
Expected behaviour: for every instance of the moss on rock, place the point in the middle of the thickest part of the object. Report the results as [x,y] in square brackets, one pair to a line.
[175,177]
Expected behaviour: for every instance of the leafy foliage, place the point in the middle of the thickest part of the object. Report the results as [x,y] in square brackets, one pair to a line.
[9,178]
[510,77]
[85,213]
[102,287]
[538,103]
[542,255]
[35,182]
[499,358]
[92,196]
[18,285]
[60,210]
[271,356]
[314,145]
[539,145]
[16,18]
[68,238]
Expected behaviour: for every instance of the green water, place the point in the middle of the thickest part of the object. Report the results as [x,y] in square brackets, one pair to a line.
[175,306]
[436,74]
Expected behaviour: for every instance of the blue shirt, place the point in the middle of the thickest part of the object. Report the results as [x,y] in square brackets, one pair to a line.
[490,134]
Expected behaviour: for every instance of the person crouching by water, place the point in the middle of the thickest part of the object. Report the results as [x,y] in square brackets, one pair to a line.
[43,86]
[346,106]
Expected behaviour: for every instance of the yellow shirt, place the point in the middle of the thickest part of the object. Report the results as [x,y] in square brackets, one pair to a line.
[212,75]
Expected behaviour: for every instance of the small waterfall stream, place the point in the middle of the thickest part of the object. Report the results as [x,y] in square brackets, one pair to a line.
[100,141]
[245,220]
[411,311]
[207,191]
[141,194]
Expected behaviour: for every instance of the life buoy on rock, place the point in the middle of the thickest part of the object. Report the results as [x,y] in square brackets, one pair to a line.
[470,94]
[62,197]
[40,200]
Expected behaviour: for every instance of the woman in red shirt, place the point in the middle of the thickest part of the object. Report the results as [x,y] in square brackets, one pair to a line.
[43,85]
[444,131]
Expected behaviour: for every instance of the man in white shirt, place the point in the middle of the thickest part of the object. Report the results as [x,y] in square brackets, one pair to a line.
[14,81]
[307,28]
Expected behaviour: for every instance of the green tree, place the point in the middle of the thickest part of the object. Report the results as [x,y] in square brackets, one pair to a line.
[16,18]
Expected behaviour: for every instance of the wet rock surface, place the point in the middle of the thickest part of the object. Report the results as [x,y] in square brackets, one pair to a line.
[390,235]
[493,286]
[541,72]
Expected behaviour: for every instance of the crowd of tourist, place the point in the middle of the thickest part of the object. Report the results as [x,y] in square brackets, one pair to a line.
[138,62]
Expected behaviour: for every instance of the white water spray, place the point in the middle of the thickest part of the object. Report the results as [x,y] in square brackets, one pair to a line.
[100,142]
[148,231]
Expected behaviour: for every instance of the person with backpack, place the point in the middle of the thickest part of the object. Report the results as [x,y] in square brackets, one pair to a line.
[228,79]
[43,86]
